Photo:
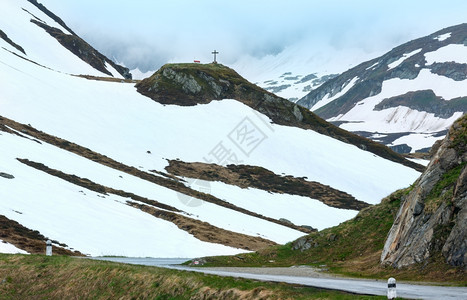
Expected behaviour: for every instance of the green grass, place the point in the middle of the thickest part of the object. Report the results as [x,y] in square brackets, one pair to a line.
[61,277]
[444,188]
[353,249]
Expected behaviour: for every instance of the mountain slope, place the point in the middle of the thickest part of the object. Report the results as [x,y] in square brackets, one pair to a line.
[36,34]
[85,160]
[410,95]
[417,233]
[191,84]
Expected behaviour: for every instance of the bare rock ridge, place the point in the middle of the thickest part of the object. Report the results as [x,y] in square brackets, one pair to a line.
[246,176]
[5,37]
[432,220]
[77,45]
[192,84]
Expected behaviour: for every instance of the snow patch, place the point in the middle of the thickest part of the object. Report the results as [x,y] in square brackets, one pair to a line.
[423,162]
[450,53]
[328,99]
[306,211]
[373,65]
[402,59]
[113,71]
[139,75]
[8,248]
[417,141]
[442,37]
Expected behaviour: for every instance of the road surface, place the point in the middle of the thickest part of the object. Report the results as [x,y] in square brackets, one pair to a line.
[313,278]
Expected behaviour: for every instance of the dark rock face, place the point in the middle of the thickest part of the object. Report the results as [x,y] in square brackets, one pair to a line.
[51,15]
[433,217]
[9,41]
[83,50]
[402,148]
[6,175]
[425,100]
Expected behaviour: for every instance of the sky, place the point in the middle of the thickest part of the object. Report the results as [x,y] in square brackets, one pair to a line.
[149,33]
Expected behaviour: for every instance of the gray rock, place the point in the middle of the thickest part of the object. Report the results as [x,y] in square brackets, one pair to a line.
[187,82]
[297,113]
[6,175]
[418,208]
[332,237]
[302,244]
[283,220]
[419,231]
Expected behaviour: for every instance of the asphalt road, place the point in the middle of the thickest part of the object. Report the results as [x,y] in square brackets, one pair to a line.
[312,278]
[369,287]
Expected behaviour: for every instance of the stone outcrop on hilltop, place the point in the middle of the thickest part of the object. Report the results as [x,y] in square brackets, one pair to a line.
[432,220]
[192,84]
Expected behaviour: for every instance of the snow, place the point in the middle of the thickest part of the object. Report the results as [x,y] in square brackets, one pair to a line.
[111,118]
[143,123]
[139,75]
[417,140]
[443,37]
[207,212]
[39,46]
[402,59]
[423,162]
[450,53]
[299,60]
[8,248]
[82,219]
[306,211]
[328,99]
[113,71]
[373,65]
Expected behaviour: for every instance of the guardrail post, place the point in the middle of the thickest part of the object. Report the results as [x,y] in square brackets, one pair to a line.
[48,248]
[392,288]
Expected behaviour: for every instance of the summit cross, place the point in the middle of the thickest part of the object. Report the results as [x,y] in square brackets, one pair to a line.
[215,52]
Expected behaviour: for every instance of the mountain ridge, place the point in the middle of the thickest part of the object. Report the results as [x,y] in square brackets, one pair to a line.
[431,63]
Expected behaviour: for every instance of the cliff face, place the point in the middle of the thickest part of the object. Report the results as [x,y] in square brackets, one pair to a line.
[432,219]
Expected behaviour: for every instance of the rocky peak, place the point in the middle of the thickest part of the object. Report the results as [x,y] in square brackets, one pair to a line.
[432,219]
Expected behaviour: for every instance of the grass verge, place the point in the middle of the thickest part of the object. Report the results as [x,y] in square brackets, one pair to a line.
[61,277]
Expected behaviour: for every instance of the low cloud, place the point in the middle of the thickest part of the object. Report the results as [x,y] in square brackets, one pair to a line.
[147,34]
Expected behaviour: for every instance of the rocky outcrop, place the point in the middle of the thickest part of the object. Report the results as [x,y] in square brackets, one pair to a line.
[426,100]
[9,41]
[432,219]
[246,176]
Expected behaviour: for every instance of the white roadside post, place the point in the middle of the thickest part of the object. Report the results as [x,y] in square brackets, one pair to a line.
[392,288]
[48,248]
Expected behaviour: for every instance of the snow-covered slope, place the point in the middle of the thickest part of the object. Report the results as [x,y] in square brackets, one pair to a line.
[409,96]
[295,71]
[93,201]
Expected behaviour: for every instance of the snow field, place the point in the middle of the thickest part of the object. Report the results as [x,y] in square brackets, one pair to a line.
[84,220]
[113,119]
[305,211]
